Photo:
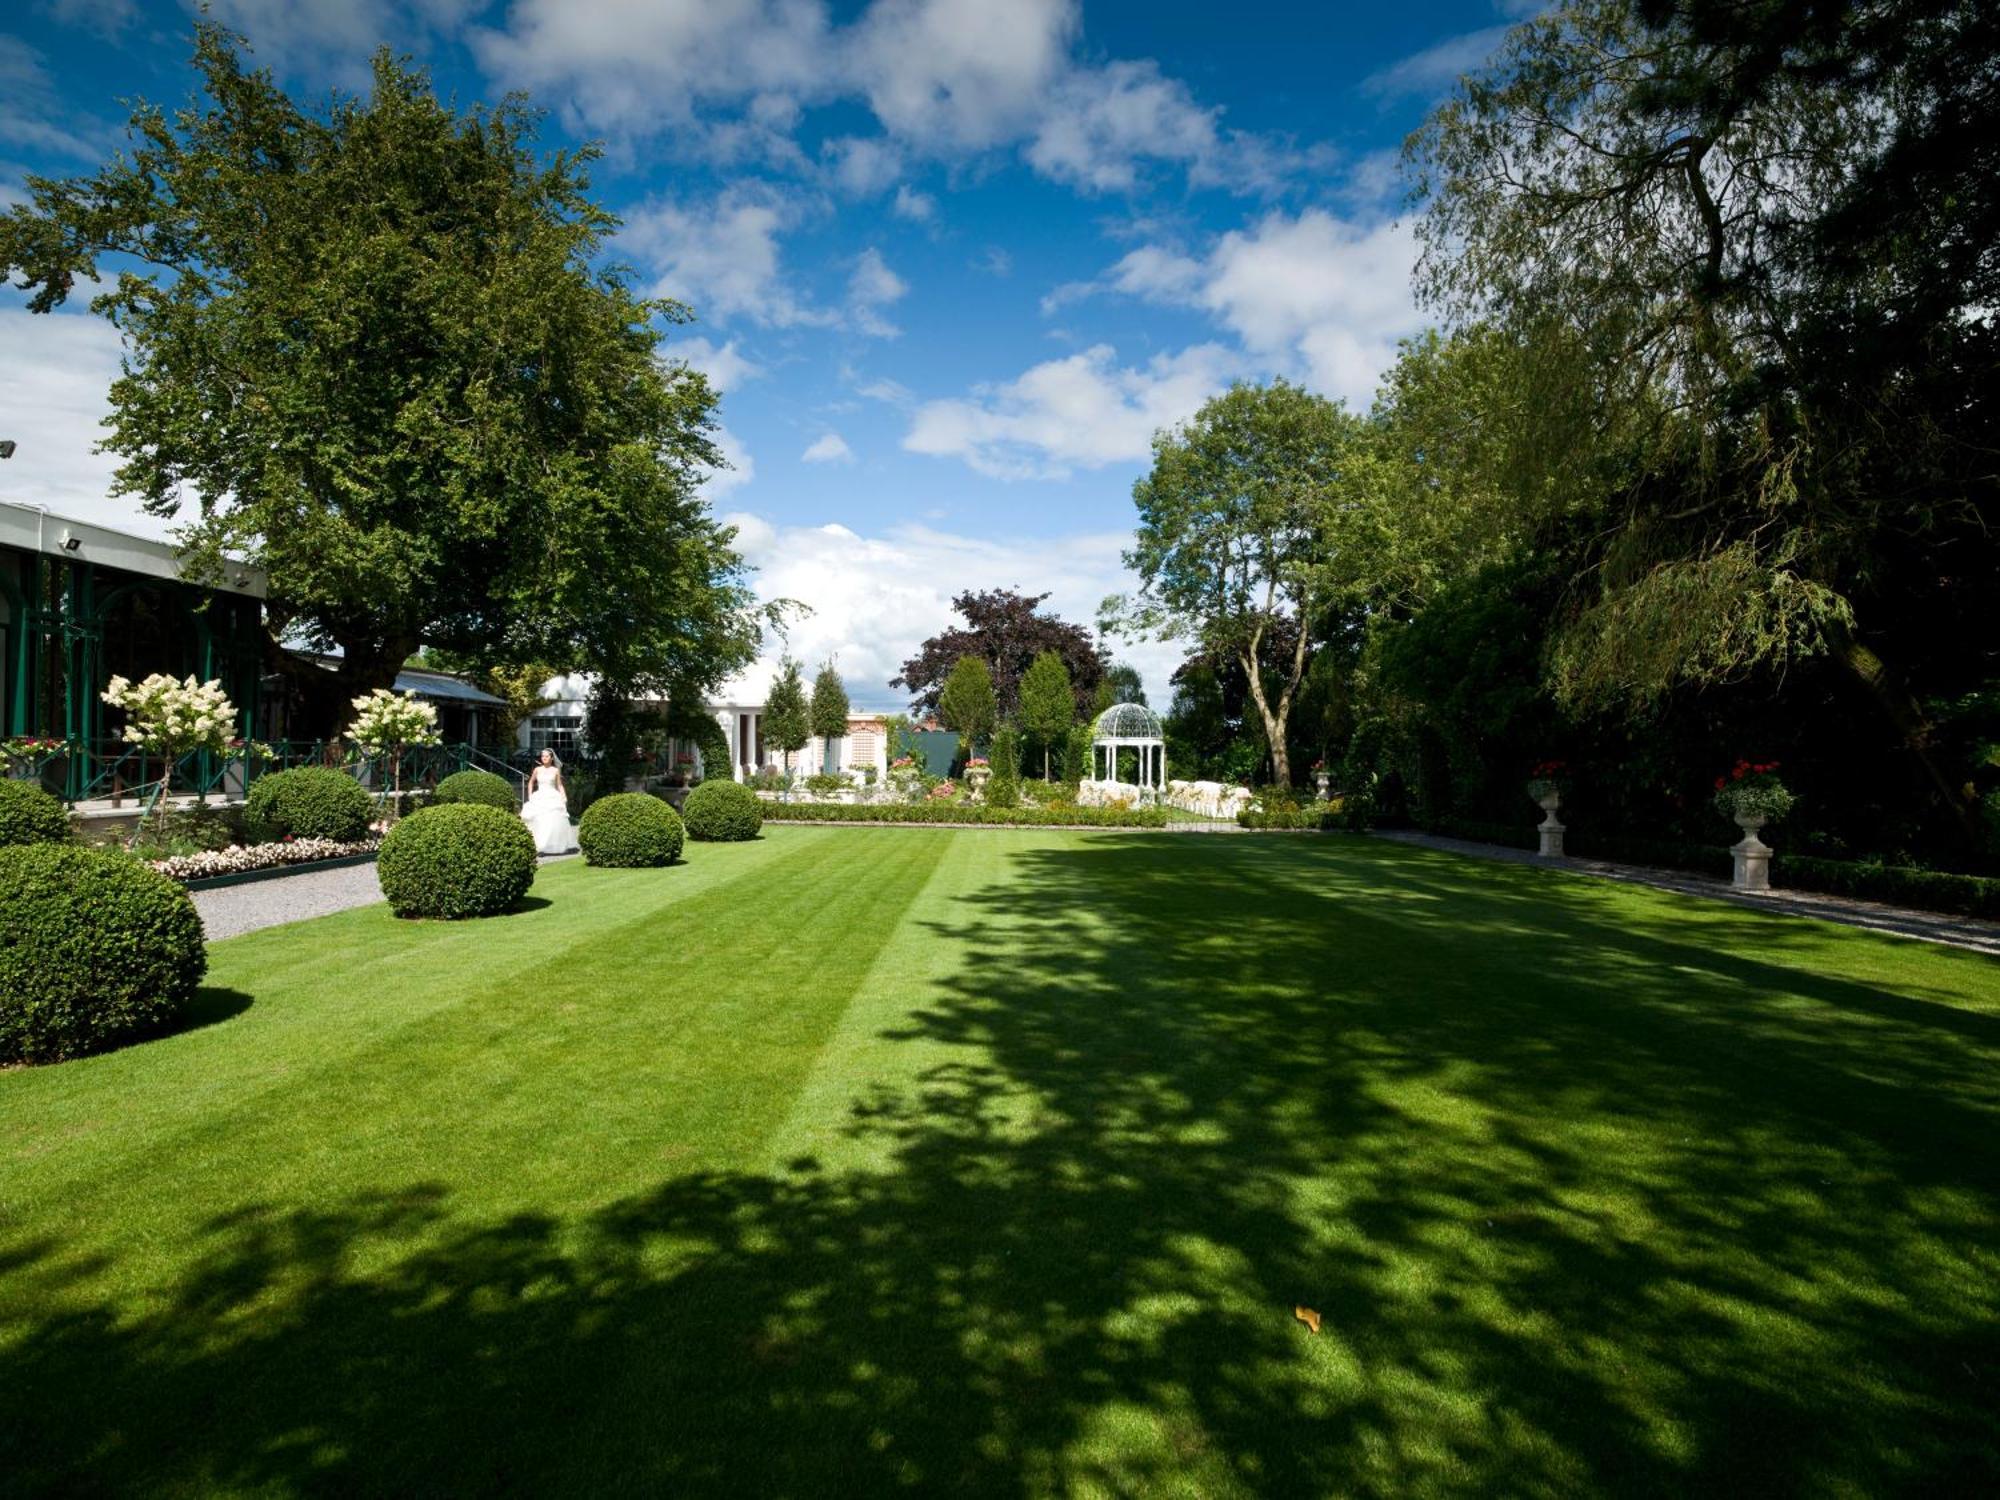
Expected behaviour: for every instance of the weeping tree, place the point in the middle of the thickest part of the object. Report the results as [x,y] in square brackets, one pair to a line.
[378,348]
[1758,241]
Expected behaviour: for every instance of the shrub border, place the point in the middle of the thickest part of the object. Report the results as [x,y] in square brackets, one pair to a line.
[896,815]
[1938,891]
[276,872]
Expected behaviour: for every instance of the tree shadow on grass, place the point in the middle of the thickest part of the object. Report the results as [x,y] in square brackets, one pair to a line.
[1575,1220]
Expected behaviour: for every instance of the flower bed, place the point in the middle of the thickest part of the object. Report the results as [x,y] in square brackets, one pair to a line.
[242,859]
[967,814]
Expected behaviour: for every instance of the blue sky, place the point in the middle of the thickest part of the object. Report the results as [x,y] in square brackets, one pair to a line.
[953,260]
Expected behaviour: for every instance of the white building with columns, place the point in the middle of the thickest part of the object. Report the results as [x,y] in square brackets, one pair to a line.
[561,723]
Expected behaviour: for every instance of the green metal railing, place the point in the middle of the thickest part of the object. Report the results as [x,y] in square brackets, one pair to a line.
[114,771]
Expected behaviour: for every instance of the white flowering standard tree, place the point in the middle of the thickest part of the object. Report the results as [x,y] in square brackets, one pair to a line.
[172,717]
[386,724]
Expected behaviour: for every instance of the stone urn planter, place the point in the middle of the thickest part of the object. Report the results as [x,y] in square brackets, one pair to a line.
[1548,796]
[1750,856]
[1324,781]
[976,777]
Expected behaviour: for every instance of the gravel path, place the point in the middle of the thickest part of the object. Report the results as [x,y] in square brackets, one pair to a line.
[232,910]
[1928,926]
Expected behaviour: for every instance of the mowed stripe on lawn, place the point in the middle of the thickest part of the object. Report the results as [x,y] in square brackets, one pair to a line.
[550,1066]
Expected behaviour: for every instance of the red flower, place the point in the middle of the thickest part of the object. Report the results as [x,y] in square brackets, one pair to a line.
[1719,783]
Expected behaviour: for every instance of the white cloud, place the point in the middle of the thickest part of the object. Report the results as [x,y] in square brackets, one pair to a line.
[875,599]
[920,208]
[1083,411]
[872,287]
[33,114]
[635,66]
[960,74]
[1100,122]
[828,448]
[994,262]
[56,371]
[721,483]
[1439,66]
[722,255]
[726,367]
[944,79]
[865,165]
[105,17]
[1310,294]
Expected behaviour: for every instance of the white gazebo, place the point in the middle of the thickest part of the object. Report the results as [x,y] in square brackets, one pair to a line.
[1130,726]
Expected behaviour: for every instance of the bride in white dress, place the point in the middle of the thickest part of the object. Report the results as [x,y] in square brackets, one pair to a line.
[546,811]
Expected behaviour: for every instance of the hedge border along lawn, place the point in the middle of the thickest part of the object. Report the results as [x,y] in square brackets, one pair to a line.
[1856,879]
[933,1162]
[963,815]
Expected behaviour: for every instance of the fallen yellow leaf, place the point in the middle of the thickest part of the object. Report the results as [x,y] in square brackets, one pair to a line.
[1307,1316]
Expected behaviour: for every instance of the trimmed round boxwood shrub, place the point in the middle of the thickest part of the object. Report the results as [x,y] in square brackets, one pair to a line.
[486,788]
[309,803]
[29,815]
[720,812]
[630,829]
[95,950]
[460,860]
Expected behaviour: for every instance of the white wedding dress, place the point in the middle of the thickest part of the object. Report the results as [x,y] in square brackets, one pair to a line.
[547,813]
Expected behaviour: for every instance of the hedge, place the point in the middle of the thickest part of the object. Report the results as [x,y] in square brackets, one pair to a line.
[718,812]
[484,788]
[630,830]
[966,814]
[308,803]
[1861,880]
[95,950]
[460,860]
[29,815]
[1928,890]
[1306,817]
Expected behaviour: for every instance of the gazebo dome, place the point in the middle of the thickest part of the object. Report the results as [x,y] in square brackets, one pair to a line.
[1127,721]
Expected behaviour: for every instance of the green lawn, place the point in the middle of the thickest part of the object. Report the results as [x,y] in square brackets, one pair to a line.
[876,1160]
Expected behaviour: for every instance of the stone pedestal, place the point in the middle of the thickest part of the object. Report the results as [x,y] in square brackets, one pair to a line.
[1551,829]
[1751,856]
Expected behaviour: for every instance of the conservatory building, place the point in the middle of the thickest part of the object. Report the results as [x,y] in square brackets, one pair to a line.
[80,604]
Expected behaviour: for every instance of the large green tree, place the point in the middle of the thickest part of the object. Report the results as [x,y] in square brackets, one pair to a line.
[1253,521]
[376,347]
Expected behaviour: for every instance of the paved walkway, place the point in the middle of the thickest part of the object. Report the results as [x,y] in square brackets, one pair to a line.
[1928,926]
[232,910]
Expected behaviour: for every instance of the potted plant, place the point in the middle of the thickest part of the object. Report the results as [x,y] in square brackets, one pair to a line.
[1323,779]
[1752,795]
[978,771]
[1545,789]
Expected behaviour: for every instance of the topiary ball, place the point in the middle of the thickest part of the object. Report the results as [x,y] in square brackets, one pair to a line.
[309,803]
[720,812]
[485,788]
[461,860]
[630,830]
[95,950]
[29,815]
